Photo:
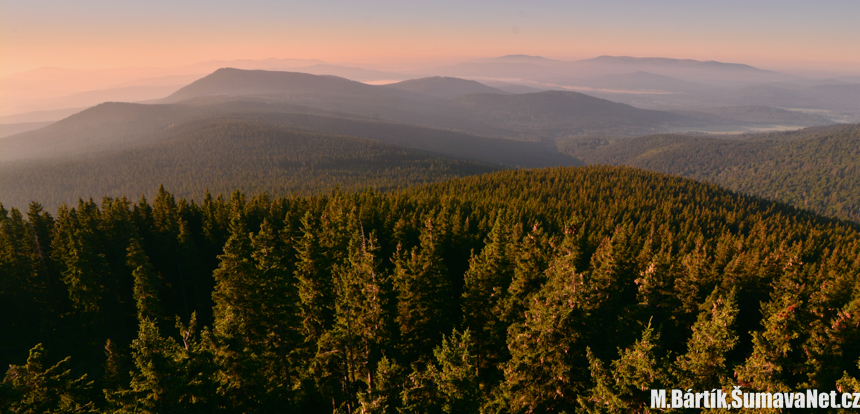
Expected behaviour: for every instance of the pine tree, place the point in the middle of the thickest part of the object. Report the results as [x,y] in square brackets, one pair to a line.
[82,262]
[384,397]
[255,328]
[450,385]
[22,291]
[315,288]
[772,366]
[611,292]
[457,374]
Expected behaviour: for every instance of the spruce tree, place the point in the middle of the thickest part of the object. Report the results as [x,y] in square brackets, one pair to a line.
[32,388]
[545,372]
[705,364]
[146,283]
[361,333]
[424,299]
[639,369]
[485,296]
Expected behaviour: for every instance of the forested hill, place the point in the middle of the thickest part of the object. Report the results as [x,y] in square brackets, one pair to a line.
[566,289]
[815,168]
[222,154]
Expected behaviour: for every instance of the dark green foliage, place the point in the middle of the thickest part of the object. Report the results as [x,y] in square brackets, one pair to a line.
[713,338]
[485,290]
[450,385]
[169,377]
[625,389]
[145,283]
[32,388]
[562,290]
[424,296]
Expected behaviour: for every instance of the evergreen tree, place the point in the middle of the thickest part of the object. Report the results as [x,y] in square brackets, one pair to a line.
[485,296]
[82,262]
[626,389]
[456,375]
[315,288]
[361,333]
[424,299]
[168,377]
[384,397]
[532,260]
[32,388]
[450,385]
[773,365]
[704,366]
[255,325]
[146,283]
[544,373]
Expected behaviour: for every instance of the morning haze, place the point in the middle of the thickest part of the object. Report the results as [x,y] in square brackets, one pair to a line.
[449,207]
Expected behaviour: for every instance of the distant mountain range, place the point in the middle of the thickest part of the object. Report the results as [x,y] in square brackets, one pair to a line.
[445,87]
[647,83]
[438,102]
[457,124]
[237,82]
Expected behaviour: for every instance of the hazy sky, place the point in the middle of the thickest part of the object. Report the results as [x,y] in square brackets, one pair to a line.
[822,35]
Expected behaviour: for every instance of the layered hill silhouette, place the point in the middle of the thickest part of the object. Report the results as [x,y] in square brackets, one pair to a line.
[436,102]
[557,113]
[237,82]
[120,126]
[122,148]
[436,116]
[445,87]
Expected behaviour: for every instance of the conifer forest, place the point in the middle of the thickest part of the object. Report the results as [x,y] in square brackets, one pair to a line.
[569,289]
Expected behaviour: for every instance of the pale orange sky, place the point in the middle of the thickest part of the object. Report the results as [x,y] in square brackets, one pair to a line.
[100,34]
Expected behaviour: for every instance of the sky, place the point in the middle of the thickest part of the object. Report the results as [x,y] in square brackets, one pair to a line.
[100,34]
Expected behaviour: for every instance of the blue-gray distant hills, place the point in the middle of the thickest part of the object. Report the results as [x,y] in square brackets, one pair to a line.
[445,87]
[290,131]
[438,102]
[670,84]
[238,82]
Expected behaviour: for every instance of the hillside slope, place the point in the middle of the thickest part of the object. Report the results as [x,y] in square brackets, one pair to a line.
[121,126]
[816,168]
[221,155]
